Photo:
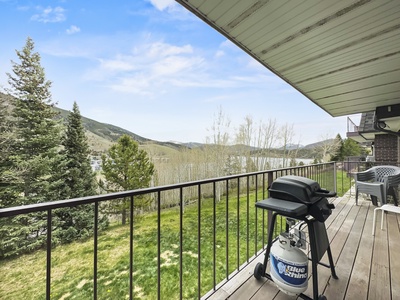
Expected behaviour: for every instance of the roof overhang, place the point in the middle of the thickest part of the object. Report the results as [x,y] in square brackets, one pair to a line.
[342,55]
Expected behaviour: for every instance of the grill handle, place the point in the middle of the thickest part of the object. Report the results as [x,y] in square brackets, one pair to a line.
[325,193]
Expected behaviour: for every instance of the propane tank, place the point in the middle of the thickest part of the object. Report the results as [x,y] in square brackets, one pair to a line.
[289,266]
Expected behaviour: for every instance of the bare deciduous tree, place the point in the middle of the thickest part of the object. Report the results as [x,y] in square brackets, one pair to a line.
[286,135]
[327,147]
[217,149]
[257,141]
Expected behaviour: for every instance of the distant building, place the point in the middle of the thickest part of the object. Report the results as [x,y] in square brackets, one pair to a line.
[380,132]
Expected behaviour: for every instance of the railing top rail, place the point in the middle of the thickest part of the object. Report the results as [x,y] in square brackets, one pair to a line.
[351,126]
[23,209]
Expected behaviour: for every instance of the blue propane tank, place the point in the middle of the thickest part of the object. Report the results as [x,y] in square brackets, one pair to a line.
[289,266]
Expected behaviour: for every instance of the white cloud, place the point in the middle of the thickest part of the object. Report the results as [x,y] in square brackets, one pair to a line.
[149,69]
[153,58]
[219,53]
[141,65]
[119,64]
[73,29]
[134,85]
[156,67]
[160,49]
[163,4]
[49,15]
[228,44]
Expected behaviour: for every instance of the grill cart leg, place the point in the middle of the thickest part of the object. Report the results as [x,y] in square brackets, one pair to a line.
[261,269]
[333,272]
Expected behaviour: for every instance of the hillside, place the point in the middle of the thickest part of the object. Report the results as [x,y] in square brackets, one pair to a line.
[103,130]
[102,135]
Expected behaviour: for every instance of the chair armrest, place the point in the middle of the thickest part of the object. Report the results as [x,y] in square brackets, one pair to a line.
[367,175]
[392,180]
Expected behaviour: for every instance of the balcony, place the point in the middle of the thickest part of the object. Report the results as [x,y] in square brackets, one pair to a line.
[205,246]
[367,266]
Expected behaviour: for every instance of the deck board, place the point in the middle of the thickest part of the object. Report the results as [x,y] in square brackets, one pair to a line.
[368,266]
[394,252]
[359,280]
[337,288]
[379,286]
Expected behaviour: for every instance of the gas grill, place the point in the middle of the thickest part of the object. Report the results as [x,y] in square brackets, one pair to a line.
[302,199]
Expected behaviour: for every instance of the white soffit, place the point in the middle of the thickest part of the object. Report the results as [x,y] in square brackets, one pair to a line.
[342,55]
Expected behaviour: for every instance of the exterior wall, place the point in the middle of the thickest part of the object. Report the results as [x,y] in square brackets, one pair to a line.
[386,148]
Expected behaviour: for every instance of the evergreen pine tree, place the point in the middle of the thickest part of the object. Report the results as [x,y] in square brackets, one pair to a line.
[7,176]
[35,149]
[78,181]
[351,148]
[126,167]
[8,193]
[38,132]
[338,153]
[79,178]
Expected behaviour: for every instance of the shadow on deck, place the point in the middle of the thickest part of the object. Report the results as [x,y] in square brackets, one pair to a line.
[368,266]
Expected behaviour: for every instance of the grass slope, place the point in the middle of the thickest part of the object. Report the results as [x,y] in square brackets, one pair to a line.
[72,265]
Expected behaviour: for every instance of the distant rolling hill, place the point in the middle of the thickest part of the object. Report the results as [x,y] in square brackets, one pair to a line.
[107,131]
[102,135]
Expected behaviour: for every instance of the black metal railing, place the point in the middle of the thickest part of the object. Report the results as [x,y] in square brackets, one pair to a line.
[220,212]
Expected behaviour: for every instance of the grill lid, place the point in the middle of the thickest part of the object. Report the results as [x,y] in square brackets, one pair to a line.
[298,189]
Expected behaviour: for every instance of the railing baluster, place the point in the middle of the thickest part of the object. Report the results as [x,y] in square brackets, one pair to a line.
[263,211]
[214,236]
[95,248]
[269,213]
[131,288]
[334,179]
[198,241]
[248,218]
[180,242]
[227,230]
[238,225]
[48,255]
[256,217]
[159,245]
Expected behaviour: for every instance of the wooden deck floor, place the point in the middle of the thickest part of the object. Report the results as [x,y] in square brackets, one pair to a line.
[368,266]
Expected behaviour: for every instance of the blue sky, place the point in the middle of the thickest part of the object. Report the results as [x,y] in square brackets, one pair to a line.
[151,67]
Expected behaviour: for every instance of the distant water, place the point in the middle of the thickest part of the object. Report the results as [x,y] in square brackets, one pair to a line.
[276,162]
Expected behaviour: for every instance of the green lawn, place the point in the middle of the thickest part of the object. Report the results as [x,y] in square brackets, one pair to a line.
[344,182]
[72,265]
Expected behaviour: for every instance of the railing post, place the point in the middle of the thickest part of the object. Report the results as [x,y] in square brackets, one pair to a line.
[214,235]
[270,180]
[335,177]
[227,230]
[48,254]
[248,218]
[198,241]
[131,288]
[159,245]
[181,202]
[238,225]
[95,248]
[255,217]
